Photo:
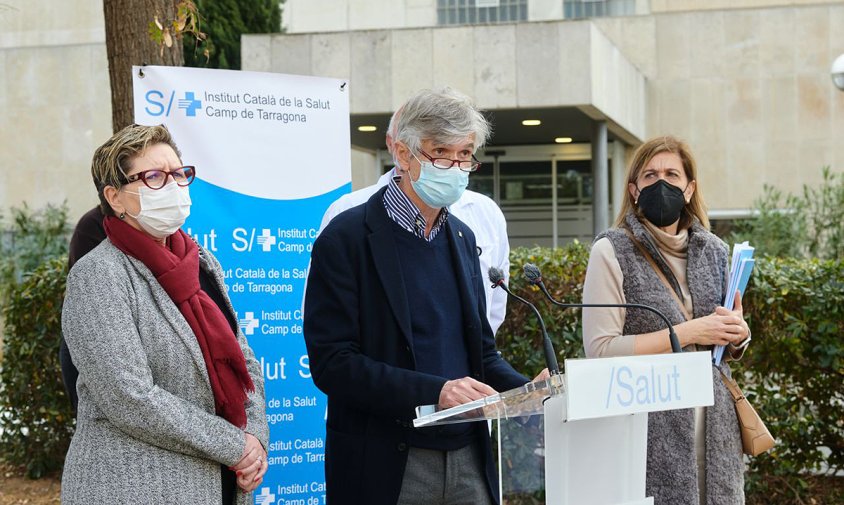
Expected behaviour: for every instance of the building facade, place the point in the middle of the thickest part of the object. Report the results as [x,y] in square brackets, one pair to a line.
[745,82]
[55,105]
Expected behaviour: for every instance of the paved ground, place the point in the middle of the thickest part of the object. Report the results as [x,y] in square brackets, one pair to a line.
[18,490]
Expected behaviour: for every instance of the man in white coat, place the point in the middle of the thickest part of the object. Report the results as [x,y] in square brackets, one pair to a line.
[478,211]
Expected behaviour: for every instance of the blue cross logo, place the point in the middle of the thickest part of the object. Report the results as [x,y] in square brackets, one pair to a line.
[190,104]
[265,498]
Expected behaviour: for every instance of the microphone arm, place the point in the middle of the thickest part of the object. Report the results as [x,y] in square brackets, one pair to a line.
[533,276]
[496,276]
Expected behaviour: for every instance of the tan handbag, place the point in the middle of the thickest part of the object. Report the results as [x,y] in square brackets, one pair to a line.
[755,437]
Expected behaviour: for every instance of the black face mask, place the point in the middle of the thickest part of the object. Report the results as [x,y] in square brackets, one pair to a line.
[661,203]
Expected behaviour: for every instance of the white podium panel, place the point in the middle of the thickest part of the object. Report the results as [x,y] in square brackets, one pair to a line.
[595,461]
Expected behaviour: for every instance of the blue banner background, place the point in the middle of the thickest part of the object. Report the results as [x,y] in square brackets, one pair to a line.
[264,247]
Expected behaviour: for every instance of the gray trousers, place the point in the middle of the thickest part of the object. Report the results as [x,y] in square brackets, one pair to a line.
[444,478]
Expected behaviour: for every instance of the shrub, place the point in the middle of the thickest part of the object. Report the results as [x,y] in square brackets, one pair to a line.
[519,338]
[793,372]
[824,211]
[36,419]
[810,225]
[35,414]
[30,238]
[773,231]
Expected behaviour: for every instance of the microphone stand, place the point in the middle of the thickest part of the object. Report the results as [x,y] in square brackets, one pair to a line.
[547,346]
[535,278]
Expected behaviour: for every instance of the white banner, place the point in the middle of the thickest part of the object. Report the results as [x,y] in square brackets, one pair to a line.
[271,152]
[625,385]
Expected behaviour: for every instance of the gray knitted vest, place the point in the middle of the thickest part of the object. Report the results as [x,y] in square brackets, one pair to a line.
[672,467]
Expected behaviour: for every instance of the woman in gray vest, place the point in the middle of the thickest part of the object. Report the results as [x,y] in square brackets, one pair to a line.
[661,239]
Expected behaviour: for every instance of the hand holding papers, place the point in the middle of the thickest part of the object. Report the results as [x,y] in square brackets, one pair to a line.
[740,267]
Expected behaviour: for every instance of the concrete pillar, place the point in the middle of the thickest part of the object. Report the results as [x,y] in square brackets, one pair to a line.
[496,178]
[618,168]
[600,178]
[555,208]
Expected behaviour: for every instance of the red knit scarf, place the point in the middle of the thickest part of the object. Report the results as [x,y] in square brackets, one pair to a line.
[177,270]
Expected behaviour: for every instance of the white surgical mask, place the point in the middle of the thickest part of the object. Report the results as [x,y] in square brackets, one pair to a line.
[163,211]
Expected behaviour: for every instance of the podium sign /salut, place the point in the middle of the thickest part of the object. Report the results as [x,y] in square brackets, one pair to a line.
[626,385]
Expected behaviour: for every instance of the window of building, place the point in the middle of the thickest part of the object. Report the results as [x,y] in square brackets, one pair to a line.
[463,12]
[577,9]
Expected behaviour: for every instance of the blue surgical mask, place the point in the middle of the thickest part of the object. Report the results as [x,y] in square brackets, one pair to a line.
[439,187]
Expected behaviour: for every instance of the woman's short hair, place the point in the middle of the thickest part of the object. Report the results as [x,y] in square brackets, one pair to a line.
[445,116]
[696,208]
[113,160]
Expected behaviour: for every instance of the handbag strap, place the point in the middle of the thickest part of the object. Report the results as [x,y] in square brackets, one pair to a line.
[732,386]
[659,274]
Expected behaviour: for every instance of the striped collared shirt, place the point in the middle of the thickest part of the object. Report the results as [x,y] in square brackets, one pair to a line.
[407,215]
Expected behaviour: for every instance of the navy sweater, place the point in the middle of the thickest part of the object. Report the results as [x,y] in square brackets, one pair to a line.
[436,317]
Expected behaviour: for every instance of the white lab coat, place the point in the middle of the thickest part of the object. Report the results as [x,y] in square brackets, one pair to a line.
[484,218]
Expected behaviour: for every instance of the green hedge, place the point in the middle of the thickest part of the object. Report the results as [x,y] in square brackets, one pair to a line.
[36,418]
[519,339]
[29,237]
[793,372]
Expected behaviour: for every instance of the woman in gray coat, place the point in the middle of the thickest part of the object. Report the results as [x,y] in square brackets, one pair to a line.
[171,399]
[661,239]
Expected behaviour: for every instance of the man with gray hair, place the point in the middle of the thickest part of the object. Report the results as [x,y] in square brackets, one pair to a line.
[476,210]
[395,317]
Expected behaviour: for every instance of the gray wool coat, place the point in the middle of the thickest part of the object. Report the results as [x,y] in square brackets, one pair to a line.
[146,431]
[672,467]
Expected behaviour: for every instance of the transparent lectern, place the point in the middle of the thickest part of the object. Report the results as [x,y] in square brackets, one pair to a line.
[581,438]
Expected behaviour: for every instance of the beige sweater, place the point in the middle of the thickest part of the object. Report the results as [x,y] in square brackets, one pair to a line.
[603,328]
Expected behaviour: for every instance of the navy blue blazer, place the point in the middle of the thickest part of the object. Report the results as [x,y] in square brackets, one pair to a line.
[358,333]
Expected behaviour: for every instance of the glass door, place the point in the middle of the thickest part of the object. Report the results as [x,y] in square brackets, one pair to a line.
[545,192]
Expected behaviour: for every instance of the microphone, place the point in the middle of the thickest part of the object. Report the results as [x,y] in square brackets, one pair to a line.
[496,277]
[534,276]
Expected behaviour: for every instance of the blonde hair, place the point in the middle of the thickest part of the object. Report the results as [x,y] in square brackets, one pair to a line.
[113,159]
[696,208]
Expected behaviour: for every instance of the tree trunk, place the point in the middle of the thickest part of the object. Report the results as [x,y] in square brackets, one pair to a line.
[128,43]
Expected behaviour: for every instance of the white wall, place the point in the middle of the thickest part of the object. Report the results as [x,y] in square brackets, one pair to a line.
[748,89]
[304,16]
[506,66]
[55,105]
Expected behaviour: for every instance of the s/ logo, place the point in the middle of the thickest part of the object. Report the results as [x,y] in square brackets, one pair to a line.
[156,103]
